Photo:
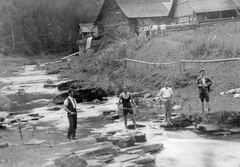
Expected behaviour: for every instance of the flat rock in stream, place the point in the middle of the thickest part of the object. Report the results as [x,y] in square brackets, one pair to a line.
[146,161]
[148,147]
[208,127]
[70,161]
[97,151]
[126,157]
[95,163]
[83,94]
[234,130]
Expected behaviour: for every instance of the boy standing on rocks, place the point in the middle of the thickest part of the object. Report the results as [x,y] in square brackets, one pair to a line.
[70,105]
[126,98]
[203,84]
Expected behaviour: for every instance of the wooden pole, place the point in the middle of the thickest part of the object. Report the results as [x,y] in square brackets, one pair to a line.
[125,63]
[13,40]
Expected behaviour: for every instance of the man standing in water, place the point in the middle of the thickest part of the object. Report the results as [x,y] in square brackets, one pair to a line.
[204,84]
[166,97]
[126,98]
[70,105]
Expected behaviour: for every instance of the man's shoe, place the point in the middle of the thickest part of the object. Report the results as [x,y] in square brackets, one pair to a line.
[73,138]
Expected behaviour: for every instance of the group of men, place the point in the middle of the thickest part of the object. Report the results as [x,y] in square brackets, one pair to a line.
[126,99]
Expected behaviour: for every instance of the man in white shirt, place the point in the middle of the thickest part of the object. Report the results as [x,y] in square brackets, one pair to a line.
[70,105]
[166,97]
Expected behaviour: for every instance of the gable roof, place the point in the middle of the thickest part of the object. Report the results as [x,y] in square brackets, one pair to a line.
[145,8]
[200,6]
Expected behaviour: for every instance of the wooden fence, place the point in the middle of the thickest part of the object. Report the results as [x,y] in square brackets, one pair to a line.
[182,65]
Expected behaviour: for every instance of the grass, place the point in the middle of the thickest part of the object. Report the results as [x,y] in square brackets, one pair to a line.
[214,42]
[101,68]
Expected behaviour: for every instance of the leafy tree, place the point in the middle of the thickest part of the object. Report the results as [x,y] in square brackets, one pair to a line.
[43,26]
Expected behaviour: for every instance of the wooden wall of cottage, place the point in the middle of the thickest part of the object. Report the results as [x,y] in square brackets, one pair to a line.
[110,17]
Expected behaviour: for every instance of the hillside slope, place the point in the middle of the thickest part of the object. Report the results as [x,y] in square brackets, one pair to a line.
[206,43]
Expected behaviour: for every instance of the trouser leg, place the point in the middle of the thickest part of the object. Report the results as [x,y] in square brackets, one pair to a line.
[169,110]
[74,125]
[70,128]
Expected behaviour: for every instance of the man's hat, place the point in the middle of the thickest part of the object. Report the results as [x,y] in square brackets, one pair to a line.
[201,70]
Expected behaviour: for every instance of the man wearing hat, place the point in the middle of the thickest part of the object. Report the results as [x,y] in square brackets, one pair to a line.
[203,84]
[70,105]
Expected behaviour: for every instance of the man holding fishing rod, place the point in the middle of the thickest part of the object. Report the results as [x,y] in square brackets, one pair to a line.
[70,105]
[126,98]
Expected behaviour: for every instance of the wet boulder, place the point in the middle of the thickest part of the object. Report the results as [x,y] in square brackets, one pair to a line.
[140,137]
[122,140]
[209,127]
[83,94]
[74,84]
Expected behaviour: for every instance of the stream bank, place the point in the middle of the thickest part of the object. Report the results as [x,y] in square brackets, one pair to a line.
[181,147]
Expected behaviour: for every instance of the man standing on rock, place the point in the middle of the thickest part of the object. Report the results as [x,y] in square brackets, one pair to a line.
[70,105]
[166,97]
[204,84]
[126,98]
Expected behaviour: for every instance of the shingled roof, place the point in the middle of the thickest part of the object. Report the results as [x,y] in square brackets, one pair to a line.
[144,8]
[200,6]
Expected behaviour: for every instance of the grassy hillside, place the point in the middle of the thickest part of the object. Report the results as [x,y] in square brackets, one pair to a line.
[206,43]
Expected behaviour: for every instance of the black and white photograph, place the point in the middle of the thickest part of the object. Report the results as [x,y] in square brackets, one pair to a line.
[119,83]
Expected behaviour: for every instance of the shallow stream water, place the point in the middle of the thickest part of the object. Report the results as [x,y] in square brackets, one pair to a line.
[181,148]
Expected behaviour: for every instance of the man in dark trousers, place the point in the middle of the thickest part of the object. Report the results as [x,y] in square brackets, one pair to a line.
[126,98]
[70,105]
[203,84]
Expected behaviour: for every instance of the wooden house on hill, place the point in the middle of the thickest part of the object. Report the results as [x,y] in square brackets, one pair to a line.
[132,14]
[88,29]
[195,11]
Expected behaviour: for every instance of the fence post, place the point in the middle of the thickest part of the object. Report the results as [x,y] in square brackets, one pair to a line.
[182,66]
[125,63]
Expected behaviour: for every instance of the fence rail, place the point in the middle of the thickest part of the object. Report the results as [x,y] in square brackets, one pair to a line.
[181,63]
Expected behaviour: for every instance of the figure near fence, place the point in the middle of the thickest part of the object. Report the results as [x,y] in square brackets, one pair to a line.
[166,94]
[203,84]
[126,98]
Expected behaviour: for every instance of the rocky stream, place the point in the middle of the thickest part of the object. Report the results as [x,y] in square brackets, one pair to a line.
[149,146]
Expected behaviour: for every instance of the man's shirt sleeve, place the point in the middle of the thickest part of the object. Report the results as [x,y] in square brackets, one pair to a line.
[65,102]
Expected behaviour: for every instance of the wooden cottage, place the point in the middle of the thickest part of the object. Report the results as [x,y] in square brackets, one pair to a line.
[88,29]
[132,14]
[195,11]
